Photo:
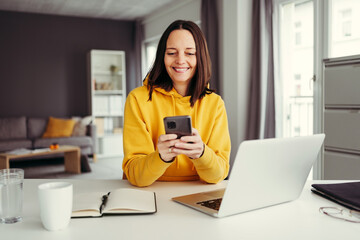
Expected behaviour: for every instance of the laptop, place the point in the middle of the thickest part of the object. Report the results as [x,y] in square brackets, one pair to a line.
[265,172]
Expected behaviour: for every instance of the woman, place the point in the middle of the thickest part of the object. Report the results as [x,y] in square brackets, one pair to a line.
[177,84]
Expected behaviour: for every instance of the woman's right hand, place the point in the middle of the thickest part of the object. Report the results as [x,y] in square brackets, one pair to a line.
[165,144]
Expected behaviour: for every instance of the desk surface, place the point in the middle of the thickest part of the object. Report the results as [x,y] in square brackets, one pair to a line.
[299,219]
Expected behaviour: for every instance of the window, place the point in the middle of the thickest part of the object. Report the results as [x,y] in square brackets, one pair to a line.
[150,53]
[300,60]
[296,53]
[344,21]
[298,38]
[346,29]
[298,33]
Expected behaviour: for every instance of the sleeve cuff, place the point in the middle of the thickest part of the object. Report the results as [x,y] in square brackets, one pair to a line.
[166,161]
[204,158]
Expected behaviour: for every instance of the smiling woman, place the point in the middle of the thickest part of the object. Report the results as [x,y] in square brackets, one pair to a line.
[158,77]
[180,59]
[177,84]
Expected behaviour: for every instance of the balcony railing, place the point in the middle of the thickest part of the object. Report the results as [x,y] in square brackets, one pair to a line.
[299,116]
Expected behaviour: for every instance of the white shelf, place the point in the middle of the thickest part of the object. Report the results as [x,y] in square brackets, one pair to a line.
[114,135]
[107,98]
[108,115]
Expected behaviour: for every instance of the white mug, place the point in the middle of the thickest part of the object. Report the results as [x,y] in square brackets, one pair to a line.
[55,200]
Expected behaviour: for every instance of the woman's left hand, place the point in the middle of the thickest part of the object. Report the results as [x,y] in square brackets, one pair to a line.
[191,146]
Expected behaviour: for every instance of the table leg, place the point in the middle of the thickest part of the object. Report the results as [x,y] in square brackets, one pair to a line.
[94,158]
[72,161]
[4,162]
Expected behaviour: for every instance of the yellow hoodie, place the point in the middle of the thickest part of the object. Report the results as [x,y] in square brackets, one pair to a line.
[143,125]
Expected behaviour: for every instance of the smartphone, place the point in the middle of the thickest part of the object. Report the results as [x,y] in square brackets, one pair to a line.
[179,125]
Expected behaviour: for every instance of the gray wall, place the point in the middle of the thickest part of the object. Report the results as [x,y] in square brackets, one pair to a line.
[235,48]
[43,61]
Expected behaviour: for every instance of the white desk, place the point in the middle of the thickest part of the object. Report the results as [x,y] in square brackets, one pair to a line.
[299,219]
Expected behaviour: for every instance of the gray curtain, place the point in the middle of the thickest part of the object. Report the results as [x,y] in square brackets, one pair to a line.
[254,109]
[209,26]
[261,119]
[139,37]
[269,130]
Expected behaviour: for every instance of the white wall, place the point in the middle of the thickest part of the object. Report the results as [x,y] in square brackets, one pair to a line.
[156,23]
[235,43]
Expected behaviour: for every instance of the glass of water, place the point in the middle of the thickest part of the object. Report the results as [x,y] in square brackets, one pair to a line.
[11,195]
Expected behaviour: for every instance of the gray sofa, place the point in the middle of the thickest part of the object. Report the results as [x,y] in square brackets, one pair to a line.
[26,132]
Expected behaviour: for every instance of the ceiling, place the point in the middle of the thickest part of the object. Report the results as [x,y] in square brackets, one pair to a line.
[106,9]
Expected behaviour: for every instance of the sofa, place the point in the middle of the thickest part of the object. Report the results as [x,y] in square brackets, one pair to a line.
[27,132]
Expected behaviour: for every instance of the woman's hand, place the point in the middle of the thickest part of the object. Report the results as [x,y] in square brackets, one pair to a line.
[191,146]
[166,143]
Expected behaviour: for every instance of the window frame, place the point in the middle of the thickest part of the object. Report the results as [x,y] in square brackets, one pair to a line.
[321,51]
[144,64]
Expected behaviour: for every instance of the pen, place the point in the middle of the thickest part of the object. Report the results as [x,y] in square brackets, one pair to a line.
[104,201]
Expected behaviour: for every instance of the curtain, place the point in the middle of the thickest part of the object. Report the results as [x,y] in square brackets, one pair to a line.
[139,37]
[261,109]
[209,26]
[254,109]
[269,131]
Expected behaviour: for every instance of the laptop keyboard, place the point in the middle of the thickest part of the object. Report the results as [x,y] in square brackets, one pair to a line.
[213,203]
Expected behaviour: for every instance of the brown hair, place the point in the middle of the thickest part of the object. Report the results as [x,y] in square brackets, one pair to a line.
[158,76]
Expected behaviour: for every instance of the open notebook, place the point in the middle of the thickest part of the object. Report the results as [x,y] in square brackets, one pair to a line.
[119,201]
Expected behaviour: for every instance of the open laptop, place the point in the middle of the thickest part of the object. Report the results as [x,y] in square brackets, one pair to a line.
[265,173]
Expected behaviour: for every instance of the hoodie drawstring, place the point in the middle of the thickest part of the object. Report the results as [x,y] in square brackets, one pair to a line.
[173,103]
[195,126]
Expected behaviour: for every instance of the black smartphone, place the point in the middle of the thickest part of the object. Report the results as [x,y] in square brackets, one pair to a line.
[179,125]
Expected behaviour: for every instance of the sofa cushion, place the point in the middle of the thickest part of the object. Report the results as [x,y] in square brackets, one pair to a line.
[58,127]
[81,125]
[36,127]
[12,128]
[75,141]
[9,145]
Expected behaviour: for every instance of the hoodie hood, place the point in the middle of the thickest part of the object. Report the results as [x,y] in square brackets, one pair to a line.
[172,92]
[176,98]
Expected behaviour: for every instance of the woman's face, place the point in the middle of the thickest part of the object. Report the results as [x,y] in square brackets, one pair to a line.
[180,57]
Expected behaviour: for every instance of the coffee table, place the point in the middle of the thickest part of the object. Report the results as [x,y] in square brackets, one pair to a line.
[71,157]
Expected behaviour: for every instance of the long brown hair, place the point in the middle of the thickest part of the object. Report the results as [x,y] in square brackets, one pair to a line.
[158,76]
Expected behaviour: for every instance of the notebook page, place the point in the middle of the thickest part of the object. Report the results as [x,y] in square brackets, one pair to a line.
[87,201]
[130,199]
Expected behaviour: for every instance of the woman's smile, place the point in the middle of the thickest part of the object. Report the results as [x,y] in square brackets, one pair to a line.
[181,69]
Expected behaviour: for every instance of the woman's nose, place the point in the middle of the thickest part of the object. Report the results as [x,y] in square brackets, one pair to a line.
[180,59]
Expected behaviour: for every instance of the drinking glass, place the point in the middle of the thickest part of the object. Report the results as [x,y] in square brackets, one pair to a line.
[11,195]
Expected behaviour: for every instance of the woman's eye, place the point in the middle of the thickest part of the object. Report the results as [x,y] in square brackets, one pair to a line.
[191,53]
[170,53]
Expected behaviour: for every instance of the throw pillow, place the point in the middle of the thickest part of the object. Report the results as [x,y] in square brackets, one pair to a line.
[58,127]
[80,125]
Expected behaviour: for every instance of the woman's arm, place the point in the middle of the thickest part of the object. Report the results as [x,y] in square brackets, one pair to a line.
[213,165]
[142,164]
